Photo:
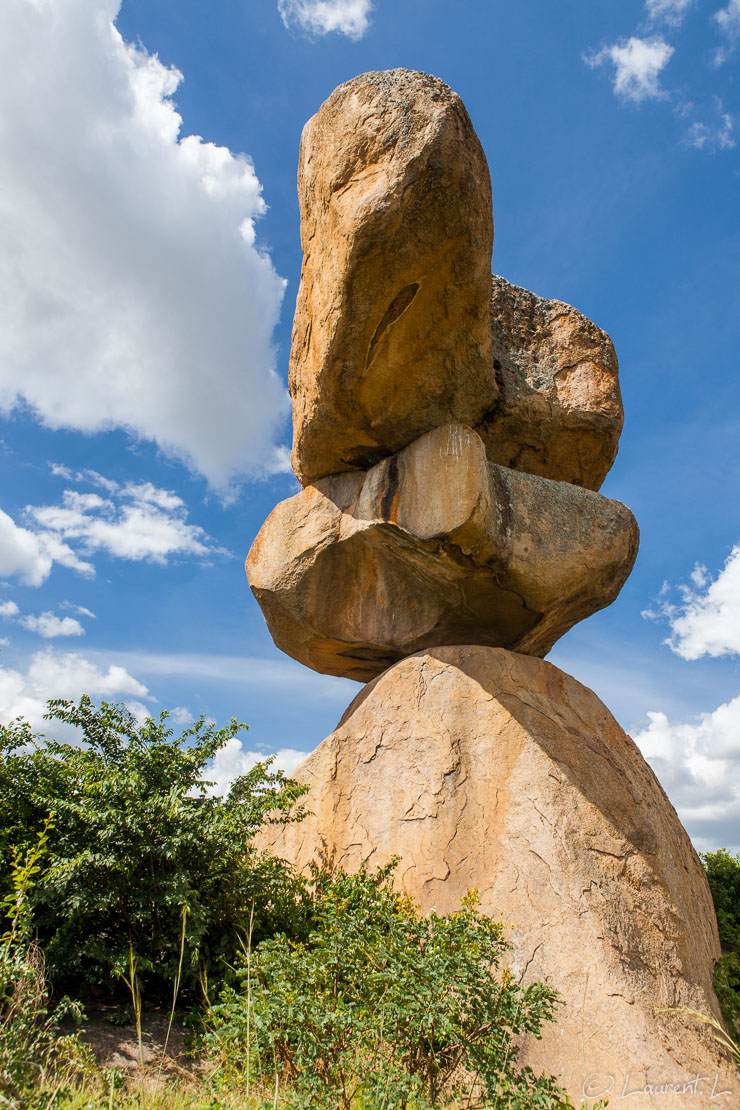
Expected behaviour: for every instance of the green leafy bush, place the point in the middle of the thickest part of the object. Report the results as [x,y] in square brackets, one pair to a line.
[379,1007]
[35,1060]
[137,846]
[723,872]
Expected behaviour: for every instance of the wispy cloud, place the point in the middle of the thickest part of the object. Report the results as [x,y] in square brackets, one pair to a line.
[79,609]
[671,12]
[244,671]
[638,64]
[728,19]
[320,17]
[715,135]
[133,291]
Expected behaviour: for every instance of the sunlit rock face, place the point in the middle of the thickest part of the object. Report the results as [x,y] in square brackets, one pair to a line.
[391,335]
[398,328]
[485,769]
[451,432]
[559,411]
[435,545]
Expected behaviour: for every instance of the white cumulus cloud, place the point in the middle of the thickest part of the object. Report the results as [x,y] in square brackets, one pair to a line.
[706,619]
[46,624]
[698,764]
[637,66]
[671,12]
[137,521]
[234,759]
[30,556]
[181,715]
[21,553]
[133,293]
[53,674]
[319,17]
[49,626]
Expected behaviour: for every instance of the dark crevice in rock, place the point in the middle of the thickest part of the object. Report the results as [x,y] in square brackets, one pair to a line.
[391,488]
[396,308]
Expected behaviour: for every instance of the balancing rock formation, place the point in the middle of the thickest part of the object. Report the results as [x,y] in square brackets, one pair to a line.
[451,432]
[435,545]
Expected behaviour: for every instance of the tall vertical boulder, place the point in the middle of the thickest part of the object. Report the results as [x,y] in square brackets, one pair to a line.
[443,421]
[391,335]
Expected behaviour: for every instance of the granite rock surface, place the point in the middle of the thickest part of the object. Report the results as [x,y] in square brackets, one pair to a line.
[435,545]
[483,768]
[559,411]
[391,334]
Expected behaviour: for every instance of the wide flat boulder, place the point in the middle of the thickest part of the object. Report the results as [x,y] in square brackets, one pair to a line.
[391,335]
[559,411]
[486,769]
[435,545]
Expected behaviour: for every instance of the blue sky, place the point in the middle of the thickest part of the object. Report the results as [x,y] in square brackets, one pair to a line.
[148,272]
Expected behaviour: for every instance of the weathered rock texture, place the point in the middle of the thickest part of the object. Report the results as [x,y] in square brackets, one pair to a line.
[559,412]
[484,768]
[391,335]
[435,546]
[397,329]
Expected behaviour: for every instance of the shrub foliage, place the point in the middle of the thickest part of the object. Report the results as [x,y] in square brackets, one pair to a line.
[380,1007]
[31,1049]
[339,993]
[723,872]
[137,844]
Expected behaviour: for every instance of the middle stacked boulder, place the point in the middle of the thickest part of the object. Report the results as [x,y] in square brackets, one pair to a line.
[450,433]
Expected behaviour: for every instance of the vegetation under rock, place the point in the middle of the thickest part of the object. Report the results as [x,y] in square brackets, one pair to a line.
[122,872]
[140,858]
[723,872]
[381,1007]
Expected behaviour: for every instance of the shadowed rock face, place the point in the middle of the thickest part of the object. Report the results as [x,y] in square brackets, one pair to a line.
[559,412]
[435,545]
[485,769]
[391,333]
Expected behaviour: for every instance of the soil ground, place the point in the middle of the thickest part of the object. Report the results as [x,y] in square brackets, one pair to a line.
[116,1046]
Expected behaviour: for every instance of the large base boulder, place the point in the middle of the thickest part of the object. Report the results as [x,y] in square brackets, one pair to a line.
[435,545]
[484,768]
